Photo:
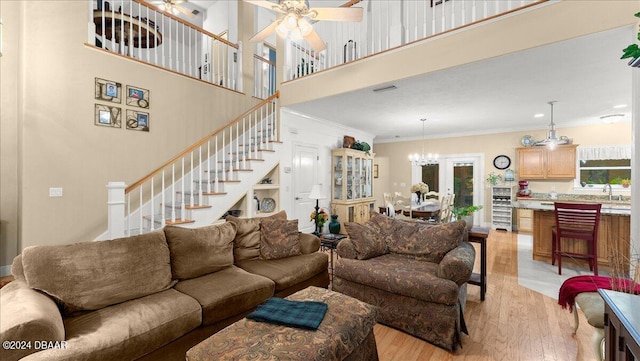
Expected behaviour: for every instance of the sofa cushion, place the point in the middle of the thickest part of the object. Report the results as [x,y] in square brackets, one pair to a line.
[368,241]
[27,315]
[279,238]
[198,251]
[424,241]
[287,272]
[93,275]
[128,330]
[227,293]
[247,242]
[400,274]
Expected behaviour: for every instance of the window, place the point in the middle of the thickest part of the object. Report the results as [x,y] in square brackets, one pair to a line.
[602,165]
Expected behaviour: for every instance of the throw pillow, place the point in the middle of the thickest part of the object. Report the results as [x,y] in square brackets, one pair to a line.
[425,241]
[247,242]
[367,240]
[198,251]
[279,238]
[383,223]
[93,275]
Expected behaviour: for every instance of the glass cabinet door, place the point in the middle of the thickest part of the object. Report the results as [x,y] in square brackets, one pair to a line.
[357,180]
[337,177]
[368,184]
[350,177]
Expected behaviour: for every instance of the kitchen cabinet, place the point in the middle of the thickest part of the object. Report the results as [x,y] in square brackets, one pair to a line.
[614,237]
[525,220]
[351,185]
[544,163]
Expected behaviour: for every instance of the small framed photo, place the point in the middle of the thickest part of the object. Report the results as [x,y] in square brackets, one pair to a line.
[137,120]
[137,97]
[107,90]
[108,116]
[375,171]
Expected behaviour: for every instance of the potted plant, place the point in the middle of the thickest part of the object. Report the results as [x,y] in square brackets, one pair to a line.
[466,213]
[493,178]
[626,182]
[632,51]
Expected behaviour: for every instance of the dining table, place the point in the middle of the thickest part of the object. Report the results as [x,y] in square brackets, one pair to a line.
[424,210]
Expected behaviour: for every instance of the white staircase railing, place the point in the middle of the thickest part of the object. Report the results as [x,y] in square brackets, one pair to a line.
[197,178]
[389,24]
[141,31]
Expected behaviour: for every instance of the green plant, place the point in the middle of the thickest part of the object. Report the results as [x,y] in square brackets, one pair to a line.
[461,212]
[493,178]
[625,181]
[632,51]
[616,180]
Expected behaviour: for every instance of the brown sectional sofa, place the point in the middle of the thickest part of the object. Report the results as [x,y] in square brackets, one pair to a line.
[151,296]
[415,272]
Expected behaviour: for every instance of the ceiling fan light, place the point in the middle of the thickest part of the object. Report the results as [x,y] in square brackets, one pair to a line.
[282,30]
[290,22]
[305,27]
[295,35]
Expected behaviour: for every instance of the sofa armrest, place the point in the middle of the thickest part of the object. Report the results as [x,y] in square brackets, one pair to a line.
[27,315]
[346,249]
[457,264]
[309,243]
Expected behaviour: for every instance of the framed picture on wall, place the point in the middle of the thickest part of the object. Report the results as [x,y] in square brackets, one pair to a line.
[108,116]
[137,97]
[375,171]
[137,120]
[107,90]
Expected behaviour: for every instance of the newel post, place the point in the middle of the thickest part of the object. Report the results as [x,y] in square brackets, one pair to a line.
[115,211]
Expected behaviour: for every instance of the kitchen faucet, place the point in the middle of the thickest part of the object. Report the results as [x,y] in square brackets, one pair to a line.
[610,190]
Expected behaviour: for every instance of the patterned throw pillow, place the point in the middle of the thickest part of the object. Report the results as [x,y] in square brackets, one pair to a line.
[367,240]
[279,238]
[425,241]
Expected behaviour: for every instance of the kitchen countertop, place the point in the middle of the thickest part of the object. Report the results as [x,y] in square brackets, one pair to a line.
[542,201]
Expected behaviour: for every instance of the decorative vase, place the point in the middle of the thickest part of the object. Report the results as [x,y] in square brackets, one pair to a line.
[334,224]
[469,220]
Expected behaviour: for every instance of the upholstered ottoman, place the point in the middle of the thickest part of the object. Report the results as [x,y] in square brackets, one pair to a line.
[346,333]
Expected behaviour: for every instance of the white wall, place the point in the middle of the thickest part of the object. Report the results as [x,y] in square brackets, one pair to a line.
[326,135]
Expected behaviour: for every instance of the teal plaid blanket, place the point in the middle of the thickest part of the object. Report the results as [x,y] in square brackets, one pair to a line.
[300,314]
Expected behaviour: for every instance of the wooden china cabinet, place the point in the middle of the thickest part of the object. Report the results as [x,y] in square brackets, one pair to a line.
[351,185]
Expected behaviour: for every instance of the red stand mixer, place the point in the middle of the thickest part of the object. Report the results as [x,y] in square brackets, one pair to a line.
[524,190]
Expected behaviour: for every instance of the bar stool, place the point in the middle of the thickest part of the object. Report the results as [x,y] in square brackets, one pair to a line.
[578,222]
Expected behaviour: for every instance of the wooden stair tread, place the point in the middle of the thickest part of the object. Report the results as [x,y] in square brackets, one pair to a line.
[178,221]
[197,207]
[213,193]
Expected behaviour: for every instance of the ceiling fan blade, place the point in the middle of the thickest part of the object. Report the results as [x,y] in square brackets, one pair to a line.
[264,33]
[336,14]
[265,4]
[184,11]
[315,41]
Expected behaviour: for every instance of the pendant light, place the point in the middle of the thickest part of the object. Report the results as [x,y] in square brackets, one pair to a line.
[552,139]
[422,160]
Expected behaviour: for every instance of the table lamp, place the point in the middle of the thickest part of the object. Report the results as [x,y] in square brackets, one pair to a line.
[316,193]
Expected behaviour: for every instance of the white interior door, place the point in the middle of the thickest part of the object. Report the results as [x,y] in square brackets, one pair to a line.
[305,175]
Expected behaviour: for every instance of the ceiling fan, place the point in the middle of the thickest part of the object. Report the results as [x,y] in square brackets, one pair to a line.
[295,18]
[173,7]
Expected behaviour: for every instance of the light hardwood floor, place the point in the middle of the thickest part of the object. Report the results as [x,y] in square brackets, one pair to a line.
[513,323]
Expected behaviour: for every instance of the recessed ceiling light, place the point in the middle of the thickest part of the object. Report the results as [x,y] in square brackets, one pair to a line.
[539,115]
[619,106]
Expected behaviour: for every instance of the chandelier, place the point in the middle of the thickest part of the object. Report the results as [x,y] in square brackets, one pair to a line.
[423,160]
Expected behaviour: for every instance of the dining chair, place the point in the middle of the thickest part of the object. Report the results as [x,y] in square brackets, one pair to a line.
[446,206]
[576,221]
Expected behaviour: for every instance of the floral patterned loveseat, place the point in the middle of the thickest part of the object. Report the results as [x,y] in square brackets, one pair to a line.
[416,273]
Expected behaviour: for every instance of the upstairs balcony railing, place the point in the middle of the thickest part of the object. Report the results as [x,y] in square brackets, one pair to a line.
[141,31]
[389,24]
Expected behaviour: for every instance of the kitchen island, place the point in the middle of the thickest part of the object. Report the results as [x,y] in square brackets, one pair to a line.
[614,232]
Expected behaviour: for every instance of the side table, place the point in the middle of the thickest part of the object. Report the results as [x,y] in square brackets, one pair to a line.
[479,235]
[330,242]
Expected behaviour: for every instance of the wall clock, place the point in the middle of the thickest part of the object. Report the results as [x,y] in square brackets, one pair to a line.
[502,162]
